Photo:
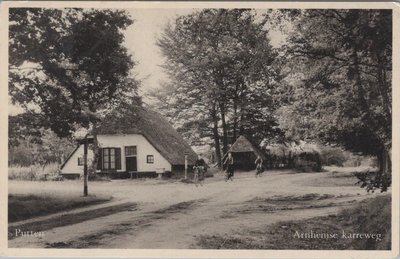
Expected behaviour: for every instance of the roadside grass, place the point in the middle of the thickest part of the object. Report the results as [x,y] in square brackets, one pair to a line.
[26,206]
[338,176]
[279,203]
[71,218]
[338,172]
[49,172]
[371,216]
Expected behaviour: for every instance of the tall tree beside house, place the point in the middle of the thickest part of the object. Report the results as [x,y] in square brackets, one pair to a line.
[69,66]
[339,82]
[220,64]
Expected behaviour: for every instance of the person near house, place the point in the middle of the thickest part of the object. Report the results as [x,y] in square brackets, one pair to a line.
[201,165]
[259,165]
[230,167]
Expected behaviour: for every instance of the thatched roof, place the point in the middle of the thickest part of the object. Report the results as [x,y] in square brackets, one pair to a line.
[277,149]
[154,127]
[295,149]
[242,144]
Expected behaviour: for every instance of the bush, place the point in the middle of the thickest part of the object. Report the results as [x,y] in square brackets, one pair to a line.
[332,156]
[49,172]
[307,162]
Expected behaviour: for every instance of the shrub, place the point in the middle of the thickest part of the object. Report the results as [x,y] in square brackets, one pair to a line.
[332,156]
[307,162]
[49,172]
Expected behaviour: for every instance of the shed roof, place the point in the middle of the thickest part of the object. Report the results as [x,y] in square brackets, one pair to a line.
[242,144]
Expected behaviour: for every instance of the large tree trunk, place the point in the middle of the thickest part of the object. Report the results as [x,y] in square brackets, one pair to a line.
[358,83]
[384,162]
[216,136]
[382,87]
[236,103]
[224,129]
[235,118]
[93,166]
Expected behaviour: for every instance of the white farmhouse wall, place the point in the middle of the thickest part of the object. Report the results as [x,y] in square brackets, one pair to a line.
[143,146]
[72,167]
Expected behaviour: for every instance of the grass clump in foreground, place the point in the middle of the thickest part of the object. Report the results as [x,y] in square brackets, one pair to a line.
[21,207]
[371,216]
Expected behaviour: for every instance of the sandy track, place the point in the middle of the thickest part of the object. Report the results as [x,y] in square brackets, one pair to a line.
[173,214]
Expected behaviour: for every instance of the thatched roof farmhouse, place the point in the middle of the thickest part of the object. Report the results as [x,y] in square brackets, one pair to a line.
[135,139]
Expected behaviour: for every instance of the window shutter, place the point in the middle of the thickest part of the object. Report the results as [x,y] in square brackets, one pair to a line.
[118,158]
[99,159]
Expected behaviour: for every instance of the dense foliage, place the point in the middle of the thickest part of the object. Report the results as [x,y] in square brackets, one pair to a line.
[67,67]
[344,69]
[220,63]
[338,89]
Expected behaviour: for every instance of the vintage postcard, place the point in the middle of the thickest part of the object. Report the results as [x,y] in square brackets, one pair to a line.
[200,129]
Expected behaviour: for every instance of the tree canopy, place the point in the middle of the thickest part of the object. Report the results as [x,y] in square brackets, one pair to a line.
[338,84]
[66,65]
[220,63]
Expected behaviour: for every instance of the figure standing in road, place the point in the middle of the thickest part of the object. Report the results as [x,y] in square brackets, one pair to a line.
[259,165]
[230,167]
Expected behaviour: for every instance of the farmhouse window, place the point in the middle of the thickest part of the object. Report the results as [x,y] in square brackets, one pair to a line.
[130,151]
[150,159]
[80,160]
[111,158]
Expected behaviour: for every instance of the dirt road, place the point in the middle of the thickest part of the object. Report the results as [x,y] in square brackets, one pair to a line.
[171,214]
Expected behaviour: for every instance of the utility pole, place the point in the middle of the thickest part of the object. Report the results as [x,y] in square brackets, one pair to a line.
[85,167]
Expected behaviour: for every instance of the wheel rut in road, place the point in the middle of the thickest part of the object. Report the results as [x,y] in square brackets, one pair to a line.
[102,237]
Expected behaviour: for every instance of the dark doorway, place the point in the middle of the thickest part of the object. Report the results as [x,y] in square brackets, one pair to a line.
[244,160]
[131,164]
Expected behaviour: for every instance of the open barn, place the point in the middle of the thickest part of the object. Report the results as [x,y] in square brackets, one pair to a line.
[245,153]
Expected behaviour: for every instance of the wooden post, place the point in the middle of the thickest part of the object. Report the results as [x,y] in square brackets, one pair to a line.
[186,166]
[85,168]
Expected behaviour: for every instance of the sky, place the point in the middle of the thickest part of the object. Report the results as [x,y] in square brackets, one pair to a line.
[141,37]
[140,40]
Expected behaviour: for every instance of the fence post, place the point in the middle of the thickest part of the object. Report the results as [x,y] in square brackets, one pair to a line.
[186,166]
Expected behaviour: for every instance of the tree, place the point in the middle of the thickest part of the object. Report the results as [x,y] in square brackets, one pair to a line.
[339,86]
[219,61]
[40,151]
[68,66]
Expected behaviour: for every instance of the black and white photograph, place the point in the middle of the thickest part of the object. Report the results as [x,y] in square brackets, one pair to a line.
[200,128]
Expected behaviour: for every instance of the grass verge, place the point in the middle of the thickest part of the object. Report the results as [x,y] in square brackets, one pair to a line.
[371,216]
[69,219]
[21,207]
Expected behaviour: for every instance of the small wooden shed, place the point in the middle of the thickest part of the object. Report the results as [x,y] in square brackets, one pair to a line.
[245,153]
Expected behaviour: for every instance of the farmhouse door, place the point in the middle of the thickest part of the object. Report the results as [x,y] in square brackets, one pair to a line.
[131,164]
[131,160]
